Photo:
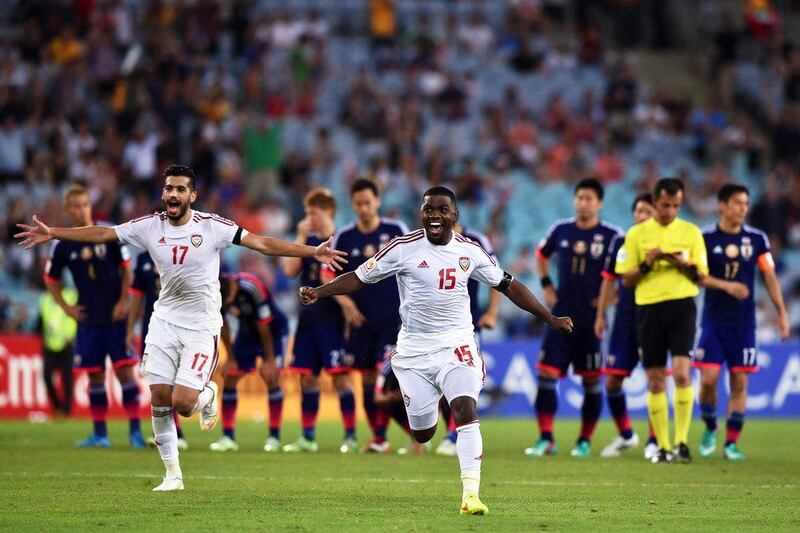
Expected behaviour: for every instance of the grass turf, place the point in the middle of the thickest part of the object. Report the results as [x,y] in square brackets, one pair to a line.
[47,484]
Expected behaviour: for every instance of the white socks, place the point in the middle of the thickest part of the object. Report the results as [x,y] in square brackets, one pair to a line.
[202,399]
[469,448]
[166,437]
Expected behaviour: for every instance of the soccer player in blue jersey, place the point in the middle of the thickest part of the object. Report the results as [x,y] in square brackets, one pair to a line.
[102,275]
[735,251]
[262,333]
[372,315]
[623,347]
[580,244]
[143,295]
[319,341]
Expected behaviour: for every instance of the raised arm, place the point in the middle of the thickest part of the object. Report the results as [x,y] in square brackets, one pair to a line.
[40,233]
[525,300]
[272,246]
[344,284]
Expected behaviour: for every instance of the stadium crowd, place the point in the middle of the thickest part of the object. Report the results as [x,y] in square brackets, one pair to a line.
[496,100]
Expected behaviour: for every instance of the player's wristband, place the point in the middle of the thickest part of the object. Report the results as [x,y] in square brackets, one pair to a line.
[693,273]
[644,268]
[546,282]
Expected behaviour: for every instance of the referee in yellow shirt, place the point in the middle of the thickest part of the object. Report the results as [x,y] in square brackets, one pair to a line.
[665,259]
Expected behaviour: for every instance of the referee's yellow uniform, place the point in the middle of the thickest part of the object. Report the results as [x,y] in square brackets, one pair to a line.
[666,315]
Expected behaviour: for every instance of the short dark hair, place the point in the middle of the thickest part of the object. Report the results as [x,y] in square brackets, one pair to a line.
[645,197]
[181,170]
[438,190]
[593,184]
[362,184]
[729,189]
[671,186]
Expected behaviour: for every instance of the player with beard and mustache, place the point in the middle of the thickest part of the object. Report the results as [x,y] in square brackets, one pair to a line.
[436,350]
[181,350]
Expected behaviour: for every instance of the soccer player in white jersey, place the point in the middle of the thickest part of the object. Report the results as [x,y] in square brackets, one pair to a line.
[181,346]
[436,350]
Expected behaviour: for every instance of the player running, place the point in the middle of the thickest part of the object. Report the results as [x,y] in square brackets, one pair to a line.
[580,244]
[623,346]
[143,295]
[319,340]
[735,251]
[480,319]
[436,349]
[371,314]
[102,275]
[262,333]
[181,346]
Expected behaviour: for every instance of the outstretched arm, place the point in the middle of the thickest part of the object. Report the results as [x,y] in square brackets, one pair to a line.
[344,284]
[40,233]
[525,300]
[272,246]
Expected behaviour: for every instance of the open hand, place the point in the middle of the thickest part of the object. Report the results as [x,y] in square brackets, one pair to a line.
[308,295]
[737,290]
[33,235]
[328,256]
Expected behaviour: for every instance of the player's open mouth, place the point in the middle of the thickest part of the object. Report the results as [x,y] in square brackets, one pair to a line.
[436,227]
[173,206]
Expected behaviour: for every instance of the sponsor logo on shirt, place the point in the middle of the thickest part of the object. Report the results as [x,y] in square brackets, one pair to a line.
[424,264]
[717,249]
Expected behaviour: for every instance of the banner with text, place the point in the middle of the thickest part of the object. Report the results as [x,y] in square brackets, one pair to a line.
[510,388]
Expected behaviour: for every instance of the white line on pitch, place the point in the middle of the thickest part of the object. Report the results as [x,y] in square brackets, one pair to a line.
[532,483]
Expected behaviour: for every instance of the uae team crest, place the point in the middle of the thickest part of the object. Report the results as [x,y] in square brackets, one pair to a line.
[196,240]
[463,262]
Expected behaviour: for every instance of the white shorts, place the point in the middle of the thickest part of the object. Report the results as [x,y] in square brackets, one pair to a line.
[175,355]
[454,372]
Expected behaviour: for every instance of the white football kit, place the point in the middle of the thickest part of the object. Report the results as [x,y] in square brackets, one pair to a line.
[436,349]
[182,342]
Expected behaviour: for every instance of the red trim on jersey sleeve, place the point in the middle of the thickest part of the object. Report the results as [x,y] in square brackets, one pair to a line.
[553,369]
[50,279]
[265,320]
[540,254]
[135,291]
[125,263]
[766,262]
[608,275]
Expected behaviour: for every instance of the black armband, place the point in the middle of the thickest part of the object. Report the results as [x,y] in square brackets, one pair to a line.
[546,282]
[644,268]
[505,282]
[237,239]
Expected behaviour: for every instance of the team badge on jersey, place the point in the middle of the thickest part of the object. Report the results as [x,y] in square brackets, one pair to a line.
[597,249]
[100,250]
[196,240]
[732,251]
[747,248]
[86,253]
[463,262]
[579,247]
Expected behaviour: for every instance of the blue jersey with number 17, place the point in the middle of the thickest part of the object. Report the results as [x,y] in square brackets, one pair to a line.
[734,257]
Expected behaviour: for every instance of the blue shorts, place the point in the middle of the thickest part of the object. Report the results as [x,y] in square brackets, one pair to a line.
[318,344]
[623,350]
[733,346]
[581,349]
[370,343]
[94,341]
[247,350]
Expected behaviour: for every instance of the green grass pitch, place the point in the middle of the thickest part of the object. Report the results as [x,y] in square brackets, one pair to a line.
[46,484]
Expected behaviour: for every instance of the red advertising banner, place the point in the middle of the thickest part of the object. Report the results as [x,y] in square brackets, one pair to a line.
[22,389]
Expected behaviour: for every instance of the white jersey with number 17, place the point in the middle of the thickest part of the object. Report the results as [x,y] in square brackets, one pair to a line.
[187,258]
[432,280]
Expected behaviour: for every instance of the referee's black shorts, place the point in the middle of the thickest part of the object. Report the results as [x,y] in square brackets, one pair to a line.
[666,326]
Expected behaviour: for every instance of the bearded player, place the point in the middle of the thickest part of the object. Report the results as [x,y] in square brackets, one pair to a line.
[181,346]
[436,349]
